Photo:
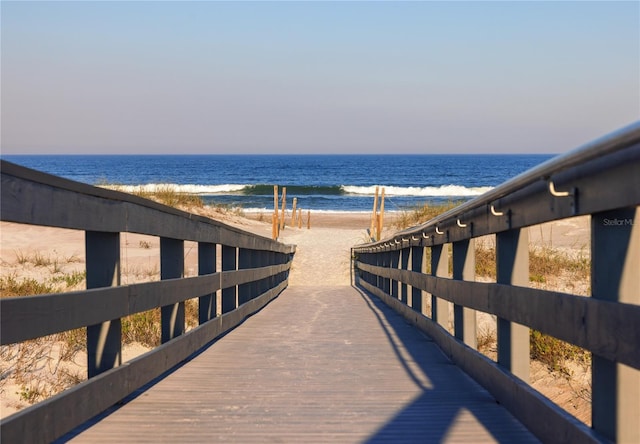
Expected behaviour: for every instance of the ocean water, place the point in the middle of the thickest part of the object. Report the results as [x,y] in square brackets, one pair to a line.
[319,182]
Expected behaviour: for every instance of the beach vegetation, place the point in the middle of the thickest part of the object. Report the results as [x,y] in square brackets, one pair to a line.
[544,264]
[11,286]
[143,327]
[164,194]
[420,214]
[168,195]
[22,258]
[40,260]
[556,354]
[72,279]
[486,340]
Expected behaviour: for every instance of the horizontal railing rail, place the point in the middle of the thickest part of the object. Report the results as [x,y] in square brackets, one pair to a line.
[600,180]
[246,269]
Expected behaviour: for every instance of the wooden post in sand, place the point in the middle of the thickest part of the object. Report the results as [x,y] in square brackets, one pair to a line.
[381,216]
[274,219]
[293,212]
[374,218]
[299,217]
[308,219]
[284,206]
[274,226]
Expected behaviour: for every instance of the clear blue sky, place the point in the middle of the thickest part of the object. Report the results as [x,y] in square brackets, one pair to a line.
[316,77]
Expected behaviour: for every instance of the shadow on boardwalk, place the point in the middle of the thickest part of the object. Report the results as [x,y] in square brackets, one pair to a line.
[318,364]
[447,405]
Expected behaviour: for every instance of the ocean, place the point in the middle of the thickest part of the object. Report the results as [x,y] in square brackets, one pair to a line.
[343,183]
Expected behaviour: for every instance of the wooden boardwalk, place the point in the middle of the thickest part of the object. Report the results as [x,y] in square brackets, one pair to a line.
[318,364]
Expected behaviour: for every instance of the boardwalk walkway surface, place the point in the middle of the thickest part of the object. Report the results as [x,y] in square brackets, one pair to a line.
[318,364]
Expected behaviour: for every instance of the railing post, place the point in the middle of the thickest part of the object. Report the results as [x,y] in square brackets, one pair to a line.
[386,262]
[464,269]
[395,264]
[615,277]
[245,293]
[379,283]
[271,260]
[404,265]
[265,262]
[254,287]
[104,341]
[229,263]
[171,267]
[417,264]
[440,268]
[512,263]
[206,265]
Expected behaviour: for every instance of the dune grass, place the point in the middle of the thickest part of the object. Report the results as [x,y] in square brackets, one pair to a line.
[164,194]
[420,214]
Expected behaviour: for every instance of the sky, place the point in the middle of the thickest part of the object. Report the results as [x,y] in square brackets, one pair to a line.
[315,77]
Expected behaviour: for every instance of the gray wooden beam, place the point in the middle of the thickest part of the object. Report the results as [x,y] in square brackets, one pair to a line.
[171,267]
[512,264]
[440,268]
[417,265]
[229,291]
[404,265]
[104,340]
[206,265]
[464,268]
[615,277]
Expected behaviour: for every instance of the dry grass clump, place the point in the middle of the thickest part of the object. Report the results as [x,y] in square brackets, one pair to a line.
[544,263]
[10,286]
[168,195]
[421,214]
[164,194]
[145,327]
[556,354]
[35,365]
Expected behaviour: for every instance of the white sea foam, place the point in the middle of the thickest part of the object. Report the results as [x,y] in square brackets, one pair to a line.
[188,189]
[441,191]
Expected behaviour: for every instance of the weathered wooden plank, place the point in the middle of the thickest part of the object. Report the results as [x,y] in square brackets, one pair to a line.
[239,277]
[304,371]
[50,419]
[566,317]
[31,317]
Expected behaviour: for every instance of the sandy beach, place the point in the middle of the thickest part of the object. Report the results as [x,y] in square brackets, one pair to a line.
[322,258]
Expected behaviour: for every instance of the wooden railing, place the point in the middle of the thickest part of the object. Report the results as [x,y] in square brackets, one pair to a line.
[602,180]
[254,271]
